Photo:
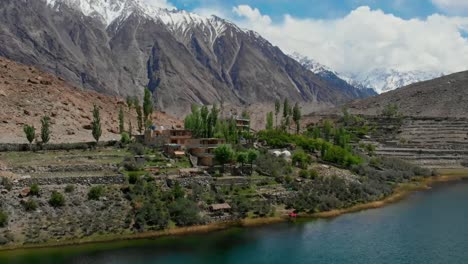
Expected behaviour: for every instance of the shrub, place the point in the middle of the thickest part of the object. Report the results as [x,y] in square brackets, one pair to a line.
[313,174]
[184,212]
[137,149]
[69,188]
[125,138]
[133,177]
[95,192]
[3,219]
[7,183]
[34,189]
[271,165]
[304,174]
[130,164]
[57,199]
[301,159]
[30,205]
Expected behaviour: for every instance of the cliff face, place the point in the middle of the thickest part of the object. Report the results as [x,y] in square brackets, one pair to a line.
[182,57]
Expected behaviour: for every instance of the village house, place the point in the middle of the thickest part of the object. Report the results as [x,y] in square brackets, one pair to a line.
[158,137]
[203,150]
[243,124]
[174,150]
[224,207]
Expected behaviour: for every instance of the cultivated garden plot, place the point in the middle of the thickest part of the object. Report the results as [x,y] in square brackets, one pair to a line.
[73,163]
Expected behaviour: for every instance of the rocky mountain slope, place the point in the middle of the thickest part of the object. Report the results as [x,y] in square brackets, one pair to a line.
[345,83]
[378,80]
[384,80]
[27,94]
[442,97]
[119,46]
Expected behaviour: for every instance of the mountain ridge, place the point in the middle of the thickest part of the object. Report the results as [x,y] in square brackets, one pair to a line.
[379,79]
[441,97]
[126,51]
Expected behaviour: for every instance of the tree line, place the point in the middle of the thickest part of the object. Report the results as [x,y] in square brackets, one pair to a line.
[143,111]
[289,113]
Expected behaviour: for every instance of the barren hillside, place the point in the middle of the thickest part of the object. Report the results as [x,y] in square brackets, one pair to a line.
[27,94]
[442,97]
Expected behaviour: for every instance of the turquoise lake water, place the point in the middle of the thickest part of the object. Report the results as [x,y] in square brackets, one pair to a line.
[428,227]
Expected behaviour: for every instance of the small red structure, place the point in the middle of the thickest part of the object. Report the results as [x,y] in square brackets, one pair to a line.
[293,214]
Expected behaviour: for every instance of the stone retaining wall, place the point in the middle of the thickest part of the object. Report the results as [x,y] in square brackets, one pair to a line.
[65,168]
[118,179]
[5,147]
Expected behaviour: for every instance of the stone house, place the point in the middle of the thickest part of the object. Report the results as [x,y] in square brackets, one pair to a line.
[203,150]
[160,137]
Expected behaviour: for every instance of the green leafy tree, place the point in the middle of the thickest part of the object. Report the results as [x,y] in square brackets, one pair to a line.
[297,117]
[277,110]
[176,192]
[223,154]
[316,132]
[212,121]
[286,109]
[193,122]
[242,158]
[269,121]
[96,124]
[327,129]
[121,120]
[286,123]
[203,122]
[130,129]
[30,132]
[139,117]
[45,129]
[301,159]
[252,156]
[147,104]
[184,212]
[204,113]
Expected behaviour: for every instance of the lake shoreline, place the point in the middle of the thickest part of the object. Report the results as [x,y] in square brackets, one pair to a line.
[400,193]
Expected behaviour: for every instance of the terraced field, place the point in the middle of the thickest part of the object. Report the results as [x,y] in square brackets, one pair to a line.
[433,143]
[75,163]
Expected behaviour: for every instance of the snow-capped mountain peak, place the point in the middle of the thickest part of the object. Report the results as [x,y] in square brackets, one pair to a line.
[311,64]
[380,79]
[106,10]
[178,21]
[384,80]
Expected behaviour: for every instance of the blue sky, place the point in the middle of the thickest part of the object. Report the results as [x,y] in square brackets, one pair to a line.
[323,9]
[354,36]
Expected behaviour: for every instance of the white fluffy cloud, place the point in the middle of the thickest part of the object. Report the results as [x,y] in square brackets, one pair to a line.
[452,6]
[366,39]
[160,3]
[252,14]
